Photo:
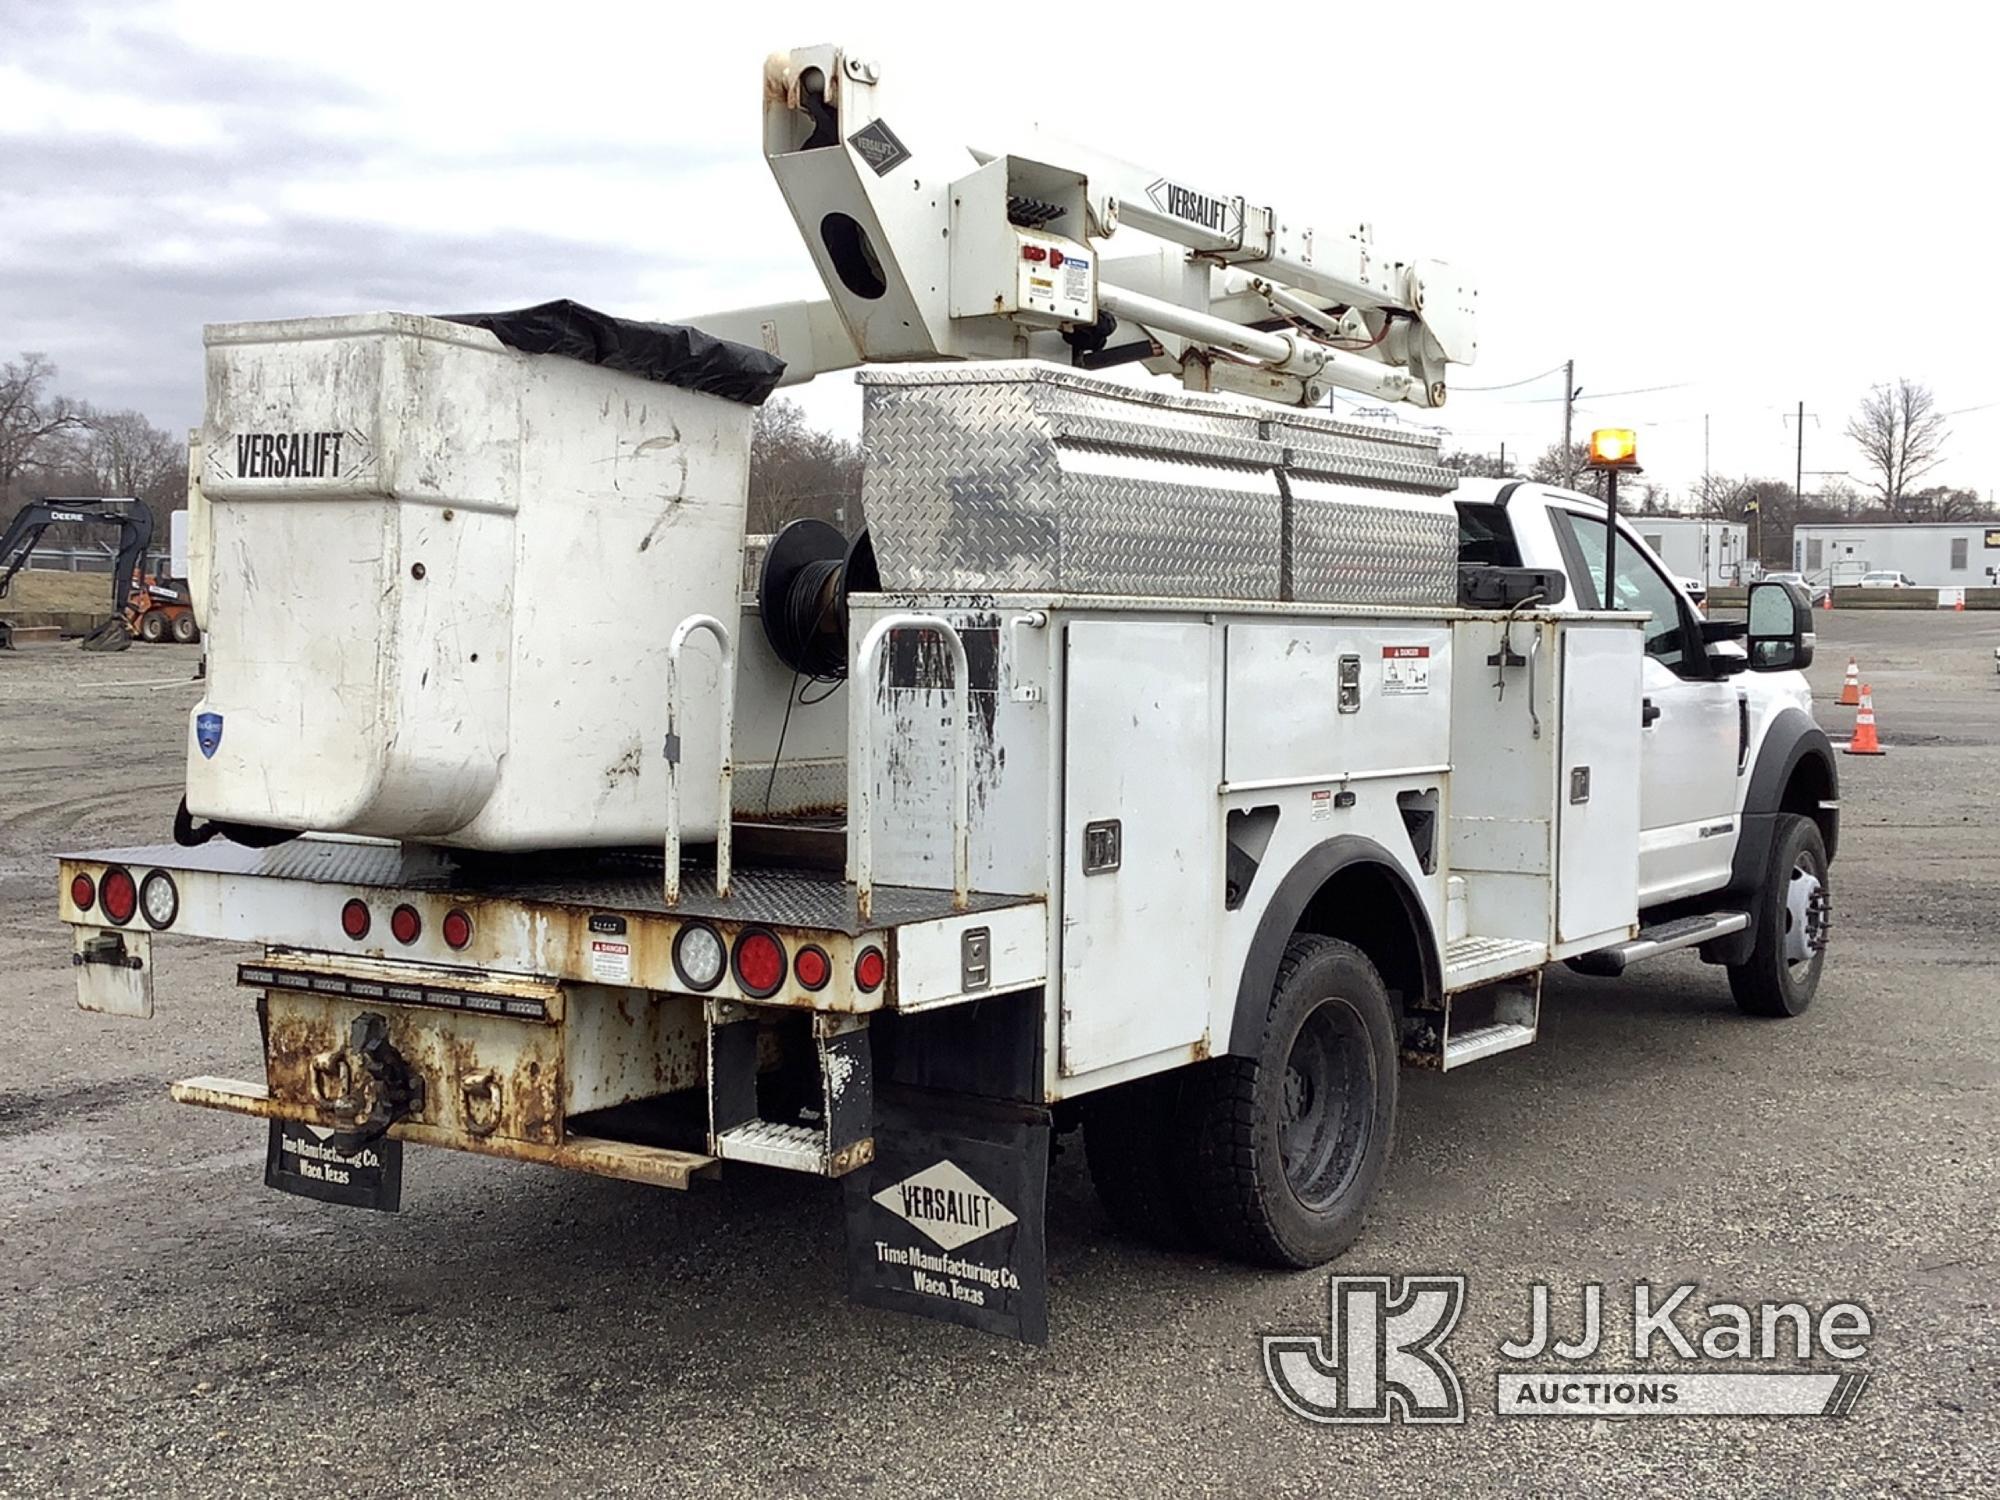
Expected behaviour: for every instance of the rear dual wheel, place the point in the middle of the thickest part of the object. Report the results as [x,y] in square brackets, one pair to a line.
[1269,1157]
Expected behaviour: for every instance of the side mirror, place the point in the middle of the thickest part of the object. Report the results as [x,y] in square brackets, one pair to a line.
[1780,630]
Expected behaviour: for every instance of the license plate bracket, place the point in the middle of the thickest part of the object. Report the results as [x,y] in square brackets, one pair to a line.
[335,1166]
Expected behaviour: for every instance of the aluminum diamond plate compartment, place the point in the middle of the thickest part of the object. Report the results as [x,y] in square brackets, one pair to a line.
[1032,478]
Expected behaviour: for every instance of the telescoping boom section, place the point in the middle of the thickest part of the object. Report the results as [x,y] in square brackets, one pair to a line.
[944,252]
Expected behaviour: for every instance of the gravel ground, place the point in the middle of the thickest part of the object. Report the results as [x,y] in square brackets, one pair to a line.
[168,1323]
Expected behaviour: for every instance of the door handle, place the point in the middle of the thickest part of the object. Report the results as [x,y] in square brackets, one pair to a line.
[1648,713]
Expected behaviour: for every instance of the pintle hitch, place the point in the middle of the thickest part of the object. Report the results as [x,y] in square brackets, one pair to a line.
[368,1084]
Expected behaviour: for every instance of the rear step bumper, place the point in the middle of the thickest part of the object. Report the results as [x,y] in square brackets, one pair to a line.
[1662,937]
[653,1165]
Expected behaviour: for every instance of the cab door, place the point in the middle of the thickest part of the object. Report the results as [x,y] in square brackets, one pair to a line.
[1690,743]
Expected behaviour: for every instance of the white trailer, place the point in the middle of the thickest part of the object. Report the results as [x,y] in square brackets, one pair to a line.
[1709,552]
[1933,556]
[1194,764]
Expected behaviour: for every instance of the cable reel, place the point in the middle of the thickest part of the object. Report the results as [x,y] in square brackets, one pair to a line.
[809,572]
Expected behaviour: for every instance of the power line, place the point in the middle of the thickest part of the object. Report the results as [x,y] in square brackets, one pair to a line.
[1512,384]
[1644,390]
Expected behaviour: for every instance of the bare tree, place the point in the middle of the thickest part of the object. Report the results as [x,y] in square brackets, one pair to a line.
[1557,468]
[1476,465]
[1943,503]
[799,470]
[1901,435]
[31,417]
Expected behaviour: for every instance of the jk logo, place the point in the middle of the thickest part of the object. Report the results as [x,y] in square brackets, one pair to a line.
[1382,1358]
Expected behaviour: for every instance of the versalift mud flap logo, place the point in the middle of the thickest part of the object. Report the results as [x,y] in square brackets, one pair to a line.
[208,734]
[946,1205]
[1382,1358]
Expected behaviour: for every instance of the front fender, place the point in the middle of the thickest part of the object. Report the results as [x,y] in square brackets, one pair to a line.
[1791,739]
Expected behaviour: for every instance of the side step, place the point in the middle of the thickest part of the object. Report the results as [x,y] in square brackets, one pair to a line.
[1662,937]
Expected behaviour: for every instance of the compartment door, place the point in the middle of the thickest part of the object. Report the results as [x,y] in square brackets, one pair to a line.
[1141,839]
[1597,792]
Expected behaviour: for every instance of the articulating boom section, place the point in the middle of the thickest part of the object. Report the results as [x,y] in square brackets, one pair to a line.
[965,255]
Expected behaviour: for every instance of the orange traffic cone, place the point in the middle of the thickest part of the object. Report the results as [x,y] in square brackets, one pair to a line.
[1850,690]
[1959,603]
[1864,741]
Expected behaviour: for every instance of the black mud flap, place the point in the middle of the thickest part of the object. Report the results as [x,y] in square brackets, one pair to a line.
[335,1166]
[949,1221]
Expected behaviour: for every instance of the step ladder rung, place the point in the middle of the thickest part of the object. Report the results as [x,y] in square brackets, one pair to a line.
[1484,1041]
[1470,961]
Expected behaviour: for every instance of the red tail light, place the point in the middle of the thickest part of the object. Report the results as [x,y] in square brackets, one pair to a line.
[120,893]
[760,963]
[354,919]
[812,968]
[405,924]
[457,929]
[82,892]
[870,969]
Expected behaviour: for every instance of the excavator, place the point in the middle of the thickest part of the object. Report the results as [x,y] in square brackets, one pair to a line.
[153,609]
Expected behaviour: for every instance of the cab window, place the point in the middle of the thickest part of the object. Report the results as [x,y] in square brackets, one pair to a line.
[1639,584]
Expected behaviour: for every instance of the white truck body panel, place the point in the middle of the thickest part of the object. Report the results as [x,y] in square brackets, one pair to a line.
[476,530]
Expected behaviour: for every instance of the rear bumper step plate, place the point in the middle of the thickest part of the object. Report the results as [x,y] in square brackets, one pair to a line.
[653,1165]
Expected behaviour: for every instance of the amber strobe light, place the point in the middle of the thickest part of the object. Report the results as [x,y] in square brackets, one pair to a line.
[1614,448]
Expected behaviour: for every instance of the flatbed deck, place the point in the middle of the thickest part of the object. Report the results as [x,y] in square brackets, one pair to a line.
[628,881]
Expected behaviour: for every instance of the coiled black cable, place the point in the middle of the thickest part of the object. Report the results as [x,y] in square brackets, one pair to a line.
[797,623]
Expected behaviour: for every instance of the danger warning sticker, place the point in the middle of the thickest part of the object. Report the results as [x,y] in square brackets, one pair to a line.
[1406,670]
[610,950]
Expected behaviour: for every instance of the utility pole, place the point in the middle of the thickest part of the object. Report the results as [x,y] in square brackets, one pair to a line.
[1704,462]
[1799,482]
[1503,455]
[1799,476]
[1569,411]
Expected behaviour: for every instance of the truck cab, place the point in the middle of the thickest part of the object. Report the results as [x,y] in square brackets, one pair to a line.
[1724,749]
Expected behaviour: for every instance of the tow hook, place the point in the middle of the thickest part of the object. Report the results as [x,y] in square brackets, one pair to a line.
[368,1085]
[479,1097]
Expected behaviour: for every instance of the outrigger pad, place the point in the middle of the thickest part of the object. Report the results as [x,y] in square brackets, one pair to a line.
[950,1219]
[110,636]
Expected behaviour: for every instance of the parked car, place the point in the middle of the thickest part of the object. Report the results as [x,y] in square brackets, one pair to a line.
[1817,592]
[1887,579]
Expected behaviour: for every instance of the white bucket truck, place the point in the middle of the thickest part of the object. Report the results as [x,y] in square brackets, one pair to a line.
[1160,761]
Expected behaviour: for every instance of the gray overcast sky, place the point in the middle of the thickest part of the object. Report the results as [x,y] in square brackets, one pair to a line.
[1747,204]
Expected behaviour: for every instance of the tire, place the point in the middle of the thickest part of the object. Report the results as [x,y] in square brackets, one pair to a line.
[185,631]
[1136,1141]
[153,626]
[1794,912]
[1291,1140]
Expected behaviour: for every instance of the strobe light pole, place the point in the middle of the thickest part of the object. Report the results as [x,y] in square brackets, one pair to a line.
[1612,450]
